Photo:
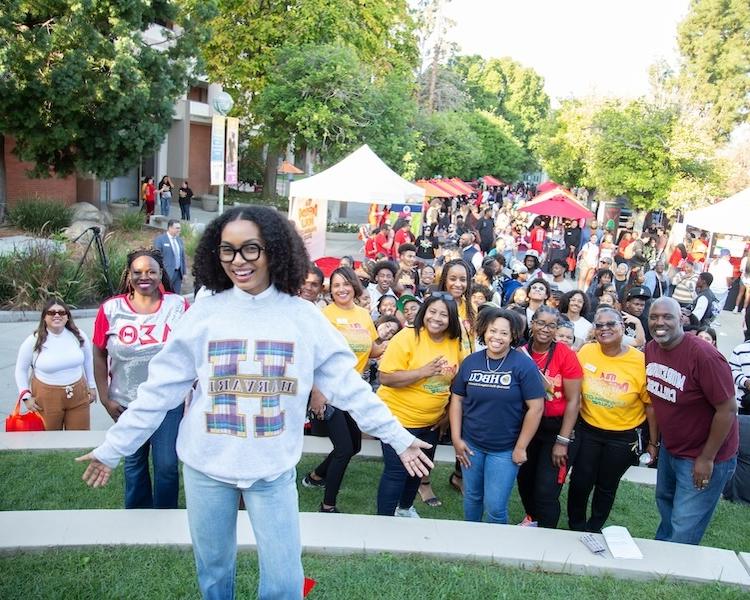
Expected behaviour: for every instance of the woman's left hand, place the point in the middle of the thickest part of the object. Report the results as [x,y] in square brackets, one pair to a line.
[92,395]
[416,462]
[97,473]
[519,456]
[559,455]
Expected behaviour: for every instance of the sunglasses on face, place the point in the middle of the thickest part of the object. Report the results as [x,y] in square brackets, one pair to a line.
[606,324]
[442,296]
[56,313]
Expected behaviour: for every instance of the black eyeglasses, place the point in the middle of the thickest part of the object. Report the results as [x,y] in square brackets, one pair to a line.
[551,326]
[442,296]
[56,313]
[606,324]
[250,252]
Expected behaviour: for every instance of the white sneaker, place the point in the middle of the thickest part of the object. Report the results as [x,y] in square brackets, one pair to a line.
[736,310]
[409,513]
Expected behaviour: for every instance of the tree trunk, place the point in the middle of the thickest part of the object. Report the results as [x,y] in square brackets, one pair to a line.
[3,179]
[269,176]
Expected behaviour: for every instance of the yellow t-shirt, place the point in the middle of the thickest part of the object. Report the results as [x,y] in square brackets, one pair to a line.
[467,329]
[356,325]
[422,403]
[614,393]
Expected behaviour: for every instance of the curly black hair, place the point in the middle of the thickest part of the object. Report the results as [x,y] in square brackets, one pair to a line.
[286,254]
[126,287]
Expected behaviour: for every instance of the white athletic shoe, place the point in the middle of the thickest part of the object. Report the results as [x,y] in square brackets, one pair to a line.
[409,513]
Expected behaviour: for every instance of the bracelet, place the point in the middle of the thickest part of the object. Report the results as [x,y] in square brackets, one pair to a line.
[654,444]
[562,440]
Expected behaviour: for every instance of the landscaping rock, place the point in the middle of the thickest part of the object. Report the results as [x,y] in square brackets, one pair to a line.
[78,227]
[84,211]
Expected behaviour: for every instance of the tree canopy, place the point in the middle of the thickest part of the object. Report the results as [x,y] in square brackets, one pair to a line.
[82,89]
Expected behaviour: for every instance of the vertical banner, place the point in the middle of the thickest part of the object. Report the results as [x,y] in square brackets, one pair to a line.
[233,141]
[310,218]
[217,150]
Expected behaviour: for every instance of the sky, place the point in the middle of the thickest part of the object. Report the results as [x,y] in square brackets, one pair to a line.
[580,47]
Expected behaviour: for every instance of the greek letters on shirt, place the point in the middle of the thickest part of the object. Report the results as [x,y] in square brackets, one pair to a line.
[664,381]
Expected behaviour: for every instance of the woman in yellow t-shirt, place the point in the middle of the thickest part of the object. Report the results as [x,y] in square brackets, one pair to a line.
[355,324]
[415,375]
[614,404]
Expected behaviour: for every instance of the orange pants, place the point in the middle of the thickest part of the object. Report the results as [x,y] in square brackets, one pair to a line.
[63,406]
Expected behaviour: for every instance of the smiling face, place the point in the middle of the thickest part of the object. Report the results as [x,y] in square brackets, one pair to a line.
[608,329]
[365,301]
[145,276]
[575,306]
[387,305]
[384,280]
[387,330]
[498,337]
[565,335]
[436,319]
[408,258]
[543,328]
[311,288]
[664,323]
[456,281]
[537,292]
[342,291]
[55,318]
[252,277]
[428,276]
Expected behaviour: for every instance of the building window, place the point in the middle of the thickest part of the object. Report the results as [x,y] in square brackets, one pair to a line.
[198,93]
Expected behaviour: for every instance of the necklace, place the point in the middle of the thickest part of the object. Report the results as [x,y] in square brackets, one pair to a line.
[495,370]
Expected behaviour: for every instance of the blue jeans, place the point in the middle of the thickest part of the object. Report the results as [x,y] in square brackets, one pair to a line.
[397,488]
[162,446]
[685,510]
[488,483]
[165,204]
[273,508]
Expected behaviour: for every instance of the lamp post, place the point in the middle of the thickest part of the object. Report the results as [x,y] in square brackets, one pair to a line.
[222,104]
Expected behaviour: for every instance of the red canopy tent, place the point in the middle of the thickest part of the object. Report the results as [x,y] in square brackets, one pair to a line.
[557,202]
[492,181]
[431,190]
[545,186]
[447,187]
[462,185]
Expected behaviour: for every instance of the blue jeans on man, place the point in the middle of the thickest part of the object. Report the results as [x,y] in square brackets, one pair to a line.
[162,447]
[397,488]
[488,483]
[684,509]
[274,515]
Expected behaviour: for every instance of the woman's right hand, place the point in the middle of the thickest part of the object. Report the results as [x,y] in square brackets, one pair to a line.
[30,404]
[434,367]
[114,409]
[463,452]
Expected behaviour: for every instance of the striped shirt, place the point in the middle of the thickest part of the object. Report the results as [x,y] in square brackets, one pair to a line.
[739,361]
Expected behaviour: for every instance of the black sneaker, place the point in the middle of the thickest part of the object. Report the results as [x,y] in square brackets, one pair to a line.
[309,482]
[332,509]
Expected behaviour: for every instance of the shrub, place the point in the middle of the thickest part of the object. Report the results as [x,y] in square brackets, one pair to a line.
[342,227]
[30,276]
[191,238]
[129,221]
[117,260]
[40,216]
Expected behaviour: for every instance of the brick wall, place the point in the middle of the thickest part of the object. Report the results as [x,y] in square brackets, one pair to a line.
[20,187]
[200,154]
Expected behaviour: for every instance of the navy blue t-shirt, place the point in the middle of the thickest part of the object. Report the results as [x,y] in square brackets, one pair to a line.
[493,405]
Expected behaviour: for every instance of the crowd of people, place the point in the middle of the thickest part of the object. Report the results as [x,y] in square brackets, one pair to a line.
[544,350]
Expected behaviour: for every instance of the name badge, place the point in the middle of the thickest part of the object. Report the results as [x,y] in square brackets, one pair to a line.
[342,321]
[590,367]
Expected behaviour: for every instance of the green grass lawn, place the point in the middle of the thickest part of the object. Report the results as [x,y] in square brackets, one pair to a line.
[52,480]
[167,573]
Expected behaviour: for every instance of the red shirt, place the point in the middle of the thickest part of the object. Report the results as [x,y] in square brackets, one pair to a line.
[402,237]
[562,365]
[685,384]
[380,240]
[371,248]
[537,239]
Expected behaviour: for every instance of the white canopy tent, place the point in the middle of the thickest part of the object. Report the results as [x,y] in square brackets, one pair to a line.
[730,216]
[361,177]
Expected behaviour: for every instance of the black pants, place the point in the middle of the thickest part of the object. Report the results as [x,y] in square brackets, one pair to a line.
[601,461]
[347,441]
[537,477]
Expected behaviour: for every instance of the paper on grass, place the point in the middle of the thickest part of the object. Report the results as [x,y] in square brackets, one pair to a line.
[620,543]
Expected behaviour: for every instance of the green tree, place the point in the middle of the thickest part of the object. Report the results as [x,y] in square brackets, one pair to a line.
[314,95]
[502,155]
[451,148]
[714,41]
[83,90]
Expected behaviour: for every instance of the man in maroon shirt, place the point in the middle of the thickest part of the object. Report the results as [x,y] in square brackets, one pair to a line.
[692,392]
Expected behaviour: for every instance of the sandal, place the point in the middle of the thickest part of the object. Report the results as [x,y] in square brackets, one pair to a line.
[432,501]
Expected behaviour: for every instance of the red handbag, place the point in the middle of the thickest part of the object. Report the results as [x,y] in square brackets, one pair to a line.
[30,421]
